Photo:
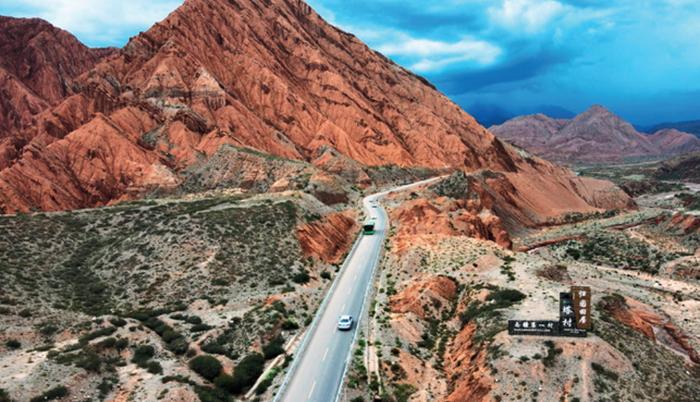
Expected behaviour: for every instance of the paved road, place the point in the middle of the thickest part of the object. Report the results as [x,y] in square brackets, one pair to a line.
[318,369]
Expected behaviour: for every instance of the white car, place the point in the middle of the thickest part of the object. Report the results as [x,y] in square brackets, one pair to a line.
[345,323]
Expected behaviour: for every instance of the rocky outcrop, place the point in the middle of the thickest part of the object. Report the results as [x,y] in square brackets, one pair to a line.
[38,65]
[329,238]
[426,297]
[596,135]
[643,319]
[445,217]
[466,365]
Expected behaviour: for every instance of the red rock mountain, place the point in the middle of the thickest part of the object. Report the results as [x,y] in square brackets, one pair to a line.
[38,65]
[270,75]
[596,135]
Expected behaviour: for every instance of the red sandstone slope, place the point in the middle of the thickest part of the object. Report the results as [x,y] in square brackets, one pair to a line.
[43,60]
[596,135]
[269,75]
[38,63]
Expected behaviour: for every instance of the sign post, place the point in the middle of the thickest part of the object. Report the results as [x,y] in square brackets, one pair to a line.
[581,296]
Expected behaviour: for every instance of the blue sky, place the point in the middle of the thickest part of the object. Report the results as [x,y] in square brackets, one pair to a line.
[640,58]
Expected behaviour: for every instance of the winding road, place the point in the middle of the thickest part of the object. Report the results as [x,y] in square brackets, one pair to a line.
[320,364]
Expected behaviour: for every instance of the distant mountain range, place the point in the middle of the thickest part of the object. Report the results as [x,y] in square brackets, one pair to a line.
[488,114]
[692,127]
[596,135]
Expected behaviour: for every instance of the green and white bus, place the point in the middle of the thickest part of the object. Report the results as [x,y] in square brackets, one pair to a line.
[368,227]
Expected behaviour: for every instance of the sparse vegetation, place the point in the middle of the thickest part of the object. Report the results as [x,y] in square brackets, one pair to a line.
[52,394]
[206,366]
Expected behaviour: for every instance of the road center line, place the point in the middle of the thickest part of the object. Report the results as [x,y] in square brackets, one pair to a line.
[342,308]
[325,354]
[312,390]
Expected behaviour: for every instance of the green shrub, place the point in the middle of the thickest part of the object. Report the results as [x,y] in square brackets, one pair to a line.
[225,381]
[52,394]
[290,325]
[117,321]
[206,366]
[200,327]
[4,396]
[599,369]
[121,344]
[274,348]
[301,277]
[96,334]
[326,275]
[89,360]
[154,367]
[210,394]
[143,354]
[248,371]
[179,346]
[107,343]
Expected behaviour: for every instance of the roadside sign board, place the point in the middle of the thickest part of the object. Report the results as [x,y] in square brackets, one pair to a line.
[574,317]
[533,327]
[581,298]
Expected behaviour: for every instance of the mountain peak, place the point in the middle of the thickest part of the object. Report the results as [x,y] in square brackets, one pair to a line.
[596,135]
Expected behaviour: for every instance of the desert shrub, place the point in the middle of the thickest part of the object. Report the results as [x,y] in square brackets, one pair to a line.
[214,347]
[52,394]
[206,366]
[4,396]
[143,354]
[225,381]
[201,327]
[601,370]
[117,321]
[13,344]
[301,277]
[107,343]
[274,348]
[326,275]
[154,367]
[248,371]
[505,297]
[290,325]
[211,394]
[48,329]
[552,353]
[89,360]
[121,344]
[178,346]
[96,334]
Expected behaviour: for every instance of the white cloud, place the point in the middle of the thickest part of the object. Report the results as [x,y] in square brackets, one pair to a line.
[433,55]
[97,21]
[530,16]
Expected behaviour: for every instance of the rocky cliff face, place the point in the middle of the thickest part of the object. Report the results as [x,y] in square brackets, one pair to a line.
[272,76]
[38,65]
[596,135]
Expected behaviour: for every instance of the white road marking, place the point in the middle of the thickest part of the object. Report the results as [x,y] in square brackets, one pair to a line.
[325,354]
[312,390]
[342,308]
